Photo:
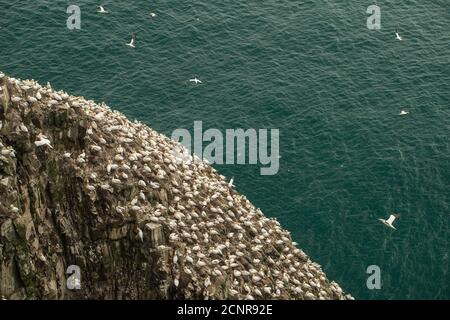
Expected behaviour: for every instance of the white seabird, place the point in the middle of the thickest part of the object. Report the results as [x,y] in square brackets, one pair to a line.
[152,14]
[43,141]
[23,128]
[403,113]
[131,43]
[140,234]
[230,184]
[195,80]
[397,36]
[389,222]
[102,10]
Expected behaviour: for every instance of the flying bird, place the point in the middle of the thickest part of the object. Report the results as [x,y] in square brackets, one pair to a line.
[403,113]
[389,222]
[131,44]
[102,10]
[397,36]
[195,80]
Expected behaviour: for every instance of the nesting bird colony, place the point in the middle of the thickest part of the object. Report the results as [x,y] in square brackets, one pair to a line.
[82,185]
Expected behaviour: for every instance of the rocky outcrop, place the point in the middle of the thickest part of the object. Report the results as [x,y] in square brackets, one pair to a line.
[82,186]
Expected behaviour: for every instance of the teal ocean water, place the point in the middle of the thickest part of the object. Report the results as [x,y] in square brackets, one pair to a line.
[313,70]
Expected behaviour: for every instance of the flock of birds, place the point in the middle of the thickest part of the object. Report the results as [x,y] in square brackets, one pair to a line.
[214,231]
[390,220]
[132,43]
[215,235]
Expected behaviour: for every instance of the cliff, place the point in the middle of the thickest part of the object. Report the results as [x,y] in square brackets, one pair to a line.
[81,185]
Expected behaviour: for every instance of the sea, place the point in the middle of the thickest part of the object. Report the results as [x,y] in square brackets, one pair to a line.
[315,70]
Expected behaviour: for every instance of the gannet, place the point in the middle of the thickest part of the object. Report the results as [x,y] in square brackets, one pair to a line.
[403,113]
[23,128]
[142,183]
[256,278]
[42,257]
[390,221]
[397,36]
[201,263]
[267,290]
[115,181]
[131,44]
[195,80]
[258,292]
[102,10]
[140,234]
[96,148]
[152,14]
[43,141]
[233,292]
[111,166]
[6,152]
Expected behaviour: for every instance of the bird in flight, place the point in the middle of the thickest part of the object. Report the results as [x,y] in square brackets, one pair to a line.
[389,222]
[102,10]
[131,44]
[397,36]
[195,80]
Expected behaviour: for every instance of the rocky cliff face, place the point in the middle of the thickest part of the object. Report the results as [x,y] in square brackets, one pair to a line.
[81,185]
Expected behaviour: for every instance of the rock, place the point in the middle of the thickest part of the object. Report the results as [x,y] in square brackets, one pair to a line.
[109,207]
[118,233]
[155,234]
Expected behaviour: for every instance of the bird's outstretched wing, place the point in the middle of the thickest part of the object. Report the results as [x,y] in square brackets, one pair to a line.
[392,218]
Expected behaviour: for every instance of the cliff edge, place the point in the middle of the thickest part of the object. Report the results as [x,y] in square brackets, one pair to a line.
[82,186]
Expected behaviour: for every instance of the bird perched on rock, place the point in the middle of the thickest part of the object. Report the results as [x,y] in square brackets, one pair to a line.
[42,141]
[140,234]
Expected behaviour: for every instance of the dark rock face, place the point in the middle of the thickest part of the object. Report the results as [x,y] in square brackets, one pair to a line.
[81,185]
